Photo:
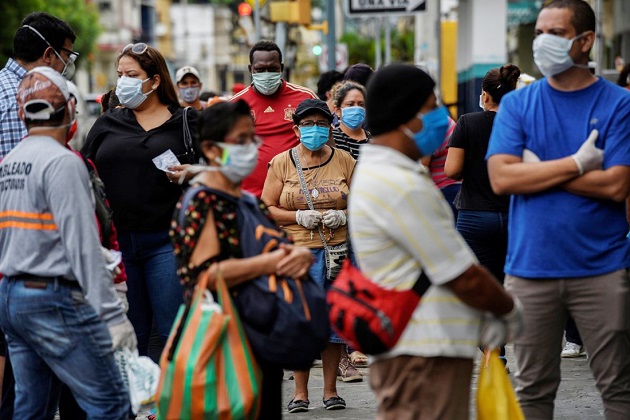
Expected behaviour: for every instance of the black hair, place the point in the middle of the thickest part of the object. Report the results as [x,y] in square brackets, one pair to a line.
[29,47]
[499,81]
[624,76]
[326,81]
[583,18]
[205,95]
[343,89]
[264,46]
[216,121]
[54,119]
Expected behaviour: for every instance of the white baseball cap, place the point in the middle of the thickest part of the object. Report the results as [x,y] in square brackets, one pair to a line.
[42,92]
[184,71]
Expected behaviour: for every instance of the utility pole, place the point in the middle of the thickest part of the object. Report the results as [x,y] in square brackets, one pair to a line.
[332,39]
[377,25]
[388,41]
[257,28]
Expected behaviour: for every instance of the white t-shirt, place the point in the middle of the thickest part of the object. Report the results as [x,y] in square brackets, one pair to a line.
[400,222]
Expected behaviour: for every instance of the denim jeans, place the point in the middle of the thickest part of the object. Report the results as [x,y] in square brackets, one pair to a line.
[55,337]
[317,271]
[153,285]
[450,192]
[486,233]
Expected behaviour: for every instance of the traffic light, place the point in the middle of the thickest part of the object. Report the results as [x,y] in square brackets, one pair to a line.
[244,9]
[291,11]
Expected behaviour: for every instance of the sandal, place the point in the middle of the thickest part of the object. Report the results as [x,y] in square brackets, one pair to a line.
[335,403]
[358,359]
[298,406]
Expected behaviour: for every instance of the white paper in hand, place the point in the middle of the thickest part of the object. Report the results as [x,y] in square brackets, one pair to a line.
[166,160]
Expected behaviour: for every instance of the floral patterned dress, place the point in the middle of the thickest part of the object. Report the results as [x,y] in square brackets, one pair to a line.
[185,237]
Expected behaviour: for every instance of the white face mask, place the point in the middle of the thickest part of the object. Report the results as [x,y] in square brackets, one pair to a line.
[129,91]
[267,83]
[551,54]
[481,102]
[189,94]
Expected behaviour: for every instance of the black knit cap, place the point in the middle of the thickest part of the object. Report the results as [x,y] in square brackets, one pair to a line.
[395,94]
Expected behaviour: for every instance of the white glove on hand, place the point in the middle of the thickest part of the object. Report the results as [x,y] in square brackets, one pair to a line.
[334,218]
[493,332]
[308,218]
[588,157]
[514,320]
[123,335]
[112,259]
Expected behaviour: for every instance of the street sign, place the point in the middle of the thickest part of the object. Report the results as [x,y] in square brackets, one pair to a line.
[375,8]
[341,58]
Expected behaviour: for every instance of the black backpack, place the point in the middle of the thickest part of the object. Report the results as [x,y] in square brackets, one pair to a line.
[104,213]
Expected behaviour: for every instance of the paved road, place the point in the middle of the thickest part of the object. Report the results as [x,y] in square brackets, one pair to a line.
[577,397]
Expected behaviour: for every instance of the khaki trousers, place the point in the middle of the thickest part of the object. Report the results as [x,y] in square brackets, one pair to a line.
[412,388]
[600,307]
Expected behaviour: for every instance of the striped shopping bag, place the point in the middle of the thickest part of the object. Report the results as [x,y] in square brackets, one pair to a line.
[208,369]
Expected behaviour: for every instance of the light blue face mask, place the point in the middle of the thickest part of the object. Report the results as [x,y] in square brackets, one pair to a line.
[267,83]
[433,133]
[353,116]
[189,94]
[129,91]
[314,138]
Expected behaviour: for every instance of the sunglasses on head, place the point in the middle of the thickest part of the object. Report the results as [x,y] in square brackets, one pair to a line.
[138,48]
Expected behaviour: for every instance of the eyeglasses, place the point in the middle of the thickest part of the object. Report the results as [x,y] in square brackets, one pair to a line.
[243,140]
[322,124]
[138,48]
[72,55]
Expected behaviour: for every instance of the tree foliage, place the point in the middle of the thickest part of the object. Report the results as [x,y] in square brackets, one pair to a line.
[80,15]
[363,49]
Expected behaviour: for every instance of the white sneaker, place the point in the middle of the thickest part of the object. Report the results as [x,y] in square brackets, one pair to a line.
[572,350]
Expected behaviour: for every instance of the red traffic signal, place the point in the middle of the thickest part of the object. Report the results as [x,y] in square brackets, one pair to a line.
[244,9]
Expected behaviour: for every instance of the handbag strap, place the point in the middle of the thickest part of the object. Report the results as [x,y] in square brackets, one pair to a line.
[307,196]
[187,135]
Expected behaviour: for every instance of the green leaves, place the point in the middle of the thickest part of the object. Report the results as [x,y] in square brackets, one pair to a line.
[80,15]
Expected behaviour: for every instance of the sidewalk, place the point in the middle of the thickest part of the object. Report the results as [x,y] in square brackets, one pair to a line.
[577,396]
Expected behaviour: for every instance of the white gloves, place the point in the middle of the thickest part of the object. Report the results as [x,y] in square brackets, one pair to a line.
[496,331]
[493,332]
[123,335]
[308,218]
[334,218]
[112,260]
[588,157]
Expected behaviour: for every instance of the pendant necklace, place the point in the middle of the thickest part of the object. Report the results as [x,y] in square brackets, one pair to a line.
[314,192]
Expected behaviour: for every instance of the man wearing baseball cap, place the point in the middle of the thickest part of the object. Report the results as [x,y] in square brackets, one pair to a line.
[59,309]
[189,87]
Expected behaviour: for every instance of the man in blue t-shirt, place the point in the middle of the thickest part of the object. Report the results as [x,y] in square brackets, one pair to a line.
[561,147]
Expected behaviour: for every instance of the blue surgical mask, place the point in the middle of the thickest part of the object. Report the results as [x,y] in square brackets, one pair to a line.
[353,116]
[433,133]
[314,138]
[551,54]
[267,83]
[129,91]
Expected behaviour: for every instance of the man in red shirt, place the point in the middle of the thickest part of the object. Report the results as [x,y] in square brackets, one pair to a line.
[273,102]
